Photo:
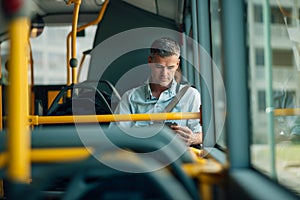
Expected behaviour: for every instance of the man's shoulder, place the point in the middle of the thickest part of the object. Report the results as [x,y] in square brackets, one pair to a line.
[194,90]
[136,91]
[192,94]
[191,89]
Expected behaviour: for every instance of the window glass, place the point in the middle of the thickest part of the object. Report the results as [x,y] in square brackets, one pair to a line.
[49,54]
[4,59]
[283,58]
[285,126]
[258,15]
[276,15]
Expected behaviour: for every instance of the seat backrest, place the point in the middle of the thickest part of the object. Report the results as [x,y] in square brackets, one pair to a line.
[86,99]
[127,170]
[159,144]
[102,182]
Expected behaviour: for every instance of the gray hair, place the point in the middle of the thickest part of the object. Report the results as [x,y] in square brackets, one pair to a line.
[165,47]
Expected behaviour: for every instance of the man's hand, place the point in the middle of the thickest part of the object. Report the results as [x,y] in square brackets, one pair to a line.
[187,135]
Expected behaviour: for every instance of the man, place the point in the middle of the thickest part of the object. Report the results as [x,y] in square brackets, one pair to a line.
[160,89]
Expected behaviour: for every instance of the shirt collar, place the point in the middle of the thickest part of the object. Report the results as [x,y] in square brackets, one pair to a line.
[148,93]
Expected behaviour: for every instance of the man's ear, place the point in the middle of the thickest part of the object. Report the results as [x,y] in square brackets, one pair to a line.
[178,62]
[149,59]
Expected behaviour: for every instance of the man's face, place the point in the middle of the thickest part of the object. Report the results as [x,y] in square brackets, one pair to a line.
[163,69]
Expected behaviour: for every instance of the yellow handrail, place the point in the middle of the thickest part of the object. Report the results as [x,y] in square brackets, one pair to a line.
[208,172]
[94,22]
[18,137]
[50,155]
[37,120]
[287,112]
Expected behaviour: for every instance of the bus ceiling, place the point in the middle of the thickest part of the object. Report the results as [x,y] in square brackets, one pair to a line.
[55,12]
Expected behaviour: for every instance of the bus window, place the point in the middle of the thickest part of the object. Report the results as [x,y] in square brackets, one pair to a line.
[49,54]
[282,161]
[4,47]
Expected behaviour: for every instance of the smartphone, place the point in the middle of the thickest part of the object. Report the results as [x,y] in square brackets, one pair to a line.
[169,124]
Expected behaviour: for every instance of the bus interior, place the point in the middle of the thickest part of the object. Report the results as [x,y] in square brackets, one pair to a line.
[65,64]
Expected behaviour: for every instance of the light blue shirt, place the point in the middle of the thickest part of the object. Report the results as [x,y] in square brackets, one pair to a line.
[141,100]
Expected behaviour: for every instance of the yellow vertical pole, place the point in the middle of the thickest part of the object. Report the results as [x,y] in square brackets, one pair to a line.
[74,33]
[96,21]
[18,109]
[68,60]
[31,91]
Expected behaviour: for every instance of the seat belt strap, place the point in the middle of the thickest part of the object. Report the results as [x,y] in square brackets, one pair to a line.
[176,99]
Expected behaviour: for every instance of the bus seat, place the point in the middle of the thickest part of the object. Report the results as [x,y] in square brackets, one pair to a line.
[161,147]
[92,179]
[94,135]
[96,183]
[87,98]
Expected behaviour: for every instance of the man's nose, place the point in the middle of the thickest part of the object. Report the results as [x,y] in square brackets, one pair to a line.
[164,70]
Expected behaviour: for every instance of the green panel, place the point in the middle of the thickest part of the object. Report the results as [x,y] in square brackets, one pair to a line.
[120,17]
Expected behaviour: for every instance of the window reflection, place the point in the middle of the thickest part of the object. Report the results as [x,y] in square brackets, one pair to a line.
[286,93]
[49,53]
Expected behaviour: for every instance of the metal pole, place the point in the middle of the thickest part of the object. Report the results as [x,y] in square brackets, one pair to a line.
[189,72]
[236,80]
[18,109]
[184,55]
[195,44]
[207,99]
[269,87]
